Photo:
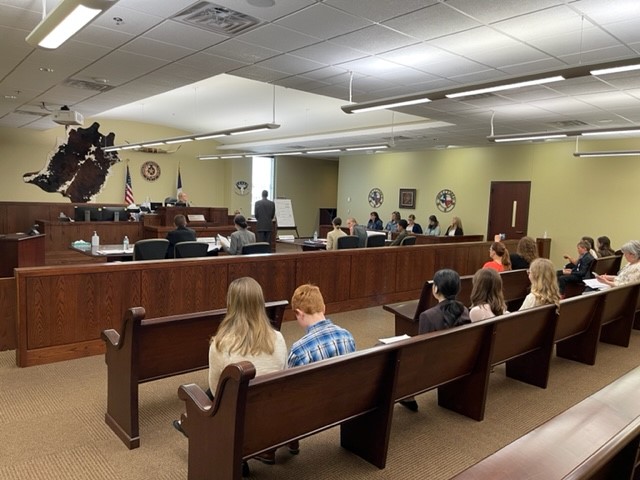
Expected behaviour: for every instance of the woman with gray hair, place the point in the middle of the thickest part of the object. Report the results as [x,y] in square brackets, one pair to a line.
[630,273]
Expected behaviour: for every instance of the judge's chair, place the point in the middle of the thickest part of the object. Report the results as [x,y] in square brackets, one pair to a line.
[348,241]
[410,240]
[190,249]
[376,240]
[259,247]
[150,249]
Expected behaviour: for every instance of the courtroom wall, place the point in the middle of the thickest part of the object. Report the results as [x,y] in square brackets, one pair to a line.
[25,150]
[311,184]
[570,196]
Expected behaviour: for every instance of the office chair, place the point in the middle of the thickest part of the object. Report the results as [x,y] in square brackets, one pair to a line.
[376,240]
[258,247]
[348,241]
[170,201]
[190,249]
[409,240]
[150,249]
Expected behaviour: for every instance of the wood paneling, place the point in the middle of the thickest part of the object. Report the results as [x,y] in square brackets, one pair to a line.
[60,235]
[62,310]
[20,251]
[8,313]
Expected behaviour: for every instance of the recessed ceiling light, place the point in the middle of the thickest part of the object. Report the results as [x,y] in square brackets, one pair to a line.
[46,69]
[10,97]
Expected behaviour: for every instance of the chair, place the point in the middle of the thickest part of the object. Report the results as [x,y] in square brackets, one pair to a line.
[150,249]
[258,247]
[409,240]
[376,240]
[190,249]
[348,241]
[170,201]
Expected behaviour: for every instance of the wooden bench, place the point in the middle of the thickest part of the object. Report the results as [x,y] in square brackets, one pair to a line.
[151,349]
[596,439]
[515,287]
[357,391]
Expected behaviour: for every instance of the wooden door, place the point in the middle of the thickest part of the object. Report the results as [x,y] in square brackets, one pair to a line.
[509,209]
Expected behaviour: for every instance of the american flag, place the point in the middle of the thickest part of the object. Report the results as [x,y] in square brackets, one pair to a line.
[179,186]
[128,191]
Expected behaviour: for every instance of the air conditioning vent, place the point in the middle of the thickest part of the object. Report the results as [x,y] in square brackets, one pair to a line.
[216,19]
[86,85]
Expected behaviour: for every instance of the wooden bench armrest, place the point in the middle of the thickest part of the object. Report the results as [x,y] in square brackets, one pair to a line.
[404,309]
[111,338]
[197,396]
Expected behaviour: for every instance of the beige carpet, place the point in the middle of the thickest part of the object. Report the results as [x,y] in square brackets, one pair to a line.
[52,420]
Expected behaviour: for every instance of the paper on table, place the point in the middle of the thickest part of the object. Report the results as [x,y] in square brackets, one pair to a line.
[595,284]
[388,340]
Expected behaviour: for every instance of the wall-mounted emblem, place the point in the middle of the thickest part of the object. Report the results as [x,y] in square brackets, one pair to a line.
[445,200]
[376,197]
[150,171]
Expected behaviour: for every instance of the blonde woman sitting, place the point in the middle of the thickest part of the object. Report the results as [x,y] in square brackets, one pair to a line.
[544,284]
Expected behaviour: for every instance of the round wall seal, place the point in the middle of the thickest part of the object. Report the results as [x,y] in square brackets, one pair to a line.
[241,187]
[445,200]
[375,197]
[150,171]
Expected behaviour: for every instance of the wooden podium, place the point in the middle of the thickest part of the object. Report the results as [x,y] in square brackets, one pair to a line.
[19,250]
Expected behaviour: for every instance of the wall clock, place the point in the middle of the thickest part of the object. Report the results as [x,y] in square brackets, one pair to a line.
[150,171]
[375,197]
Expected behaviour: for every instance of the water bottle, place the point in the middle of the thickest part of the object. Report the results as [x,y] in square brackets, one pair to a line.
[389,236]
[315,236]
[125,243]
[95,239]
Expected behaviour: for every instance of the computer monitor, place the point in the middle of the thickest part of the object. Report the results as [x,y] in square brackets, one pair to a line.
[109,214]
[86,213]
[155,205]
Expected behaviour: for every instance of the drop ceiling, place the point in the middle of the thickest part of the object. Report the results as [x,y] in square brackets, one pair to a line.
[296,62]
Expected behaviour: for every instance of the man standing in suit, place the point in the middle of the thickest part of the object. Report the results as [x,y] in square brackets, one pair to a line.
[264,210]
[180,234]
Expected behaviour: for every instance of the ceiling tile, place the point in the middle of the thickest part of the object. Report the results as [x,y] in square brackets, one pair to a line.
[490,12]
[379,10]
[130,66]
[278,38]
[153,48]
[323,21]
[183,35]
[290,64]
[374,39]
[432,22]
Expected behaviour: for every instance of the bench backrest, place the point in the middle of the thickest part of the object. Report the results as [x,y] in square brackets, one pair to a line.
[576,315]
[606,265]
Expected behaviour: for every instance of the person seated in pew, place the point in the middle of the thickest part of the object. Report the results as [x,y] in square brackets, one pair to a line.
[335,234]
[455,229]
[604,247]
[544,284]
[487,299]
[402,233]
[449,312]
[244,334]
[374,222]
[573,261]
[526,252]
[433,228]
[581,269]
[241,237]
[630,273]
[180,234]
[357,230]
[500,260]
[412,226]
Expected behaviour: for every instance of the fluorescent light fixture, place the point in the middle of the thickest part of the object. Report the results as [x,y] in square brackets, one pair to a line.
[205,136]
[155,144]
[130,147]
[291,153]
[331,150]
[607,71]
[619,153]
[208,157]
[523,138]
[224,157]
[65,20]
[508,86]
[611,132]
[385,103]
[372,147]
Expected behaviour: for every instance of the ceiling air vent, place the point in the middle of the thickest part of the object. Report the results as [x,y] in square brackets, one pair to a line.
[86,85]
[216,19]
[567,124]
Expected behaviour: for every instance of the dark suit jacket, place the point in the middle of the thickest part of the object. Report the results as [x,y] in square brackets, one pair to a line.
[458,231]
[180,234]
[264,210]
[583,266]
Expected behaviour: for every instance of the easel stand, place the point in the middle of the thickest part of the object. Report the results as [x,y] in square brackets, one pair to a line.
[289,228]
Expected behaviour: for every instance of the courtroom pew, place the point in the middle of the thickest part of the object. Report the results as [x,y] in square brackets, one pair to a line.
[357,391]
[515,286]
[596,439]
[156,348]
[602,266]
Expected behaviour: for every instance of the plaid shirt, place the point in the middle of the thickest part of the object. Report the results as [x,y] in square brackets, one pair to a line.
[322,340]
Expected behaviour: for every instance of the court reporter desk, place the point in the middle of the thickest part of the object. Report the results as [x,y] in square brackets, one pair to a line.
[62,310]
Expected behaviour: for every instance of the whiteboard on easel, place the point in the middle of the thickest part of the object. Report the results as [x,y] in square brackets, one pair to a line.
[284,213]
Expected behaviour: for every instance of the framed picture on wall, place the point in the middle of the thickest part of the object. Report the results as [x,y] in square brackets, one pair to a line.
[407,198]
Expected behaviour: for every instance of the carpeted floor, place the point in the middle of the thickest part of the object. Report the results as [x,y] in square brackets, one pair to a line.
[52,420]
